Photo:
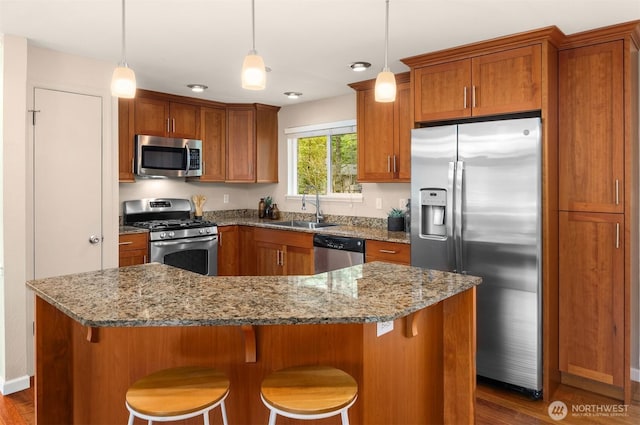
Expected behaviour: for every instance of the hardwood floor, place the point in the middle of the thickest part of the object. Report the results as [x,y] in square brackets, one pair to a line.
[494,407]
[17,408]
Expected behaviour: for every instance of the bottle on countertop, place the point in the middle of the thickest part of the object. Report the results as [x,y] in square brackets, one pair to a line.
[261,208]
[407,216]
[275,212]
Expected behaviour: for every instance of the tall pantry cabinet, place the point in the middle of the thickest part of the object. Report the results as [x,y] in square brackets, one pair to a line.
[598,203]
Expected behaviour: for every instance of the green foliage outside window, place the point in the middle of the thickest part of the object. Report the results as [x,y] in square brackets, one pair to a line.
[312,163]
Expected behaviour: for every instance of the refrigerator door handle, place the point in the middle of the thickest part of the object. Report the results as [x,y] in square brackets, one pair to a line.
[449,219]
[457,225]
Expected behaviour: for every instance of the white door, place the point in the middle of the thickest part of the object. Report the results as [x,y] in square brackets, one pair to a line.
[67,183]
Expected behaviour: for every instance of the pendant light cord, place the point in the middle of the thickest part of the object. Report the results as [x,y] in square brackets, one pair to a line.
[253,26]
[124,49]
[386,37]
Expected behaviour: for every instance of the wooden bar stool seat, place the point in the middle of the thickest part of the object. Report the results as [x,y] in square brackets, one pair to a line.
[309,392]
[178,393]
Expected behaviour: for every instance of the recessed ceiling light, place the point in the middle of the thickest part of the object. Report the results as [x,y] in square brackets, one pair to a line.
[360,66]
[198,88]
[292,94]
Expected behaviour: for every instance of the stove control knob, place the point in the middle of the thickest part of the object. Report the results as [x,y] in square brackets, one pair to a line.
[163,235]
[208,230]
[201,231]
[172,234]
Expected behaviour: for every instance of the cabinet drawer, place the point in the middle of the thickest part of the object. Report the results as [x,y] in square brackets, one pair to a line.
[132,241]
[391,252]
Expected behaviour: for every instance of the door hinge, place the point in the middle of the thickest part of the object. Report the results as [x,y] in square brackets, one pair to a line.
[33,120]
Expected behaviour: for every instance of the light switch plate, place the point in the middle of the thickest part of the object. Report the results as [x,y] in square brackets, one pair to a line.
[379,203]
[225,198]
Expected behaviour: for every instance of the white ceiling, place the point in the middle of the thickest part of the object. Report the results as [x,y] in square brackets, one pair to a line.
[308,44]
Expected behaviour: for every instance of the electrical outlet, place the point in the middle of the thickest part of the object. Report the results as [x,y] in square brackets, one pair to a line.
[225,198]
[379,203]
[383,328]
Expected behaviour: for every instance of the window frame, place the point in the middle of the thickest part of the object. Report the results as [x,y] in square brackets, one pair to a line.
[325,129]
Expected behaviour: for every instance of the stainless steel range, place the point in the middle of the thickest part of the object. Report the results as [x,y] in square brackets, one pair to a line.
[174,237]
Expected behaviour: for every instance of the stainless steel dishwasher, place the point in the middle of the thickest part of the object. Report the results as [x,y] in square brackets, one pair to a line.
[336,252]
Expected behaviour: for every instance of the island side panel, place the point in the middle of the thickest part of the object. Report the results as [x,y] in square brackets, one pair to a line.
[459,331]
[54,363]
[403,375]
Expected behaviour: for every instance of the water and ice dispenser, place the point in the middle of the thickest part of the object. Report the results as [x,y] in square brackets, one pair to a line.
[433,205]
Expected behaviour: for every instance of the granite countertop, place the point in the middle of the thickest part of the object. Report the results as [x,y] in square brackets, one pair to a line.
[160,295]
[364,232]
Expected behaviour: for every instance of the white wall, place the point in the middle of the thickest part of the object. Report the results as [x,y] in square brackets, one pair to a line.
[247,195]
[26,67]
[14,324]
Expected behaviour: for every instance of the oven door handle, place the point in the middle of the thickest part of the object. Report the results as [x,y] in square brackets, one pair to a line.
[185,241]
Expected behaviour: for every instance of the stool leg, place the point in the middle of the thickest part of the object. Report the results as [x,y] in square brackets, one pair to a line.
[130,419]
[345,417]
[272,417]
[223,409]
[205,416]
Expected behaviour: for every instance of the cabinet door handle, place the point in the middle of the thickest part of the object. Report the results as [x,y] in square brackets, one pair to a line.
[388,163]
[617,235]
[219,239]
[125,243]
[168,129]
[617,192]
[173,125]
[395,168]
[465,97]
[387,251]
[133,165]
[144,259]
[473,96]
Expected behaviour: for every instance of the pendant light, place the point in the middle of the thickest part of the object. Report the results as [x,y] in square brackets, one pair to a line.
[254,73]
[123,81]
[385,90]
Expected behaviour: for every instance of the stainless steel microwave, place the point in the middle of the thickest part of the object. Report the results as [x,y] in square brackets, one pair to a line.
[167,157]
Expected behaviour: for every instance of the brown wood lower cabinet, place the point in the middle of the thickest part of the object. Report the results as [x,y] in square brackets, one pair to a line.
[281,252]
[592,296]
[228,251]
[391,252]
[133,249]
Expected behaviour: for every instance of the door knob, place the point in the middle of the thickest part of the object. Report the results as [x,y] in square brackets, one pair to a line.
[93,239]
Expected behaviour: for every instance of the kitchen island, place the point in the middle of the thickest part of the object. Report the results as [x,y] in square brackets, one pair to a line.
[407,335]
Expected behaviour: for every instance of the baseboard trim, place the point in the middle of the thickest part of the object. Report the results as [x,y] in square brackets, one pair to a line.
[635,384]
[14,385]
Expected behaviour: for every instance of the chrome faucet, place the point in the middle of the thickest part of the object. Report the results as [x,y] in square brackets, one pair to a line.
[319,216]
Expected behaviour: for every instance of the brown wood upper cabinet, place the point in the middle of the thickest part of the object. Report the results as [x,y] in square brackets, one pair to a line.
[503,82]
[384,133]
[591,150]
[213,133]
[157,117]
[252,143]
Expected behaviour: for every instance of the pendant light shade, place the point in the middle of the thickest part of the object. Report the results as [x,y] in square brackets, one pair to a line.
[385,90]
[123,81]
[254,73]
[385,86]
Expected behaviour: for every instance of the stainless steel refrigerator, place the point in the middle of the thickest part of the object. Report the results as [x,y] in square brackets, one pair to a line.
[476,209]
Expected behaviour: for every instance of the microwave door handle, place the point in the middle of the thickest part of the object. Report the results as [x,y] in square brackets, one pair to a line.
[186,172]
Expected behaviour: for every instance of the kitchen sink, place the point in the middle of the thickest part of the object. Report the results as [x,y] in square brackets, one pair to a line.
[302,224]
